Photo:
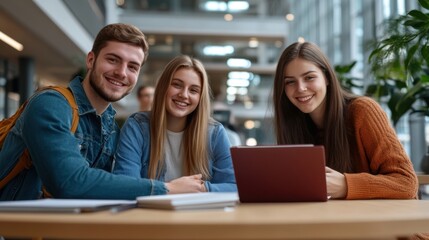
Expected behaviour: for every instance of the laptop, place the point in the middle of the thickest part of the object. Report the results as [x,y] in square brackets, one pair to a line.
[282,173]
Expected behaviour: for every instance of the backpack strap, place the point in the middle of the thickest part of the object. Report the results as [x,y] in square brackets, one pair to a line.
[24,161]
[67,93]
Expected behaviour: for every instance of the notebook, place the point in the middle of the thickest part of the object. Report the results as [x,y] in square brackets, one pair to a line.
[189,201]
[63,205]
[283,173]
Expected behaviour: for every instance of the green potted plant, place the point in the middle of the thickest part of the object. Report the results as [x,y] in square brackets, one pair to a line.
[347,81]
[399,62]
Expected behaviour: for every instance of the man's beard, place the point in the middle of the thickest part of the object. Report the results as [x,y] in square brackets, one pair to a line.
[100,91]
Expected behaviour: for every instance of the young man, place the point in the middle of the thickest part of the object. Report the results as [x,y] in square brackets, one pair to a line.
[78,165]
[145,98]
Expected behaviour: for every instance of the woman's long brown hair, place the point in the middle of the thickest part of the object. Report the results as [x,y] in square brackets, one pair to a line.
[295,127]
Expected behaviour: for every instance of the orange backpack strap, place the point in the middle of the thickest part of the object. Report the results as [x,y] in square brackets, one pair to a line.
[67,93]
[24,161]
[7,124]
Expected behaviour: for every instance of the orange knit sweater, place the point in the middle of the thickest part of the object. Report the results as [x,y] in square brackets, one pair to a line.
[383,169]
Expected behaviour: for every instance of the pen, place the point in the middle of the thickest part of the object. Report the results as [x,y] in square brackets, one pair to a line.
[122,207]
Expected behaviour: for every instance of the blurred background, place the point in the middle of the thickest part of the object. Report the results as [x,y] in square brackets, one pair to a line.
[239,43]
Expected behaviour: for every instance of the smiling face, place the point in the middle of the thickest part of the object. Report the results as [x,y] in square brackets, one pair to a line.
[183,97]
[114,71]
[305,86]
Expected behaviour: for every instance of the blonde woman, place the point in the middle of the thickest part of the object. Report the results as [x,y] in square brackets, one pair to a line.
[178,142]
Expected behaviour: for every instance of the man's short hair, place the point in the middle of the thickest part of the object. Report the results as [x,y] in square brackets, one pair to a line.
[120,32]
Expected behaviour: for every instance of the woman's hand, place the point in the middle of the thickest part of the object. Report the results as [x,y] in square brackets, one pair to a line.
[335,183]
[187,184]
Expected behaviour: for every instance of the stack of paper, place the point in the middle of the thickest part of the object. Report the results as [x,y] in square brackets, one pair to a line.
[174,201]
[62,205]
[189,201]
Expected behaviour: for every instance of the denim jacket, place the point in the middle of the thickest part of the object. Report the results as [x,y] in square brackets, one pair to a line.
[69,166]
[132,156]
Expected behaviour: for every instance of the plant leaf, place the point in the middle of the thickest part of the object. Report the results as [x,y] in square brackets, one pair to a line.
[394,99]
[424,3]
[416,24]
[418,15]
[424,78]
[425,53]
[412,92]
[402,107]
[410,54]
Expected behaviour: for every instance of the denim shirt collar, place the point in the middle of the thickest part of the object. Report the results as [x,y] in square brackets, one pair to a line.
[83,101]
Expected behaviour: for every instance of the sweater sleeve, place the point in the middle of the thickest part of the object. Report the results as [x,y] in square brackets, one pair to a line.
[383,169]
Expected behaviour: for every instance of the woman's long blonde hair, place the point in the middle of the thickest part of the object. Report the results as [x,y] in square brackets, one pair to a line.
[195,136]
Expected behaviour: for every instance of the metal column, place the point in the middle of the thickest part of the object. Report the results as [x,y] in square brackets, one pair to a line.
[26,78]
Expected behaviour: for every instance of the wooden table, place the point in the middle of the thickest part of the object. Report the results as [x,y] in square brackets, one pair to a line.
[369,219]
[423,179]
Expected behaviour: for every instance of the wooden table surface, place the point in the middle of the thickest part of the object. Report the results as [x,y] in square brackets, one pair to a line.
[335,219]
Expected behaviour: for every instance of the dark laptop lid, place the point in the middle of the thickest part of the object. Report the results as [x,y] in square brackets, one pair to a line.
[283,173]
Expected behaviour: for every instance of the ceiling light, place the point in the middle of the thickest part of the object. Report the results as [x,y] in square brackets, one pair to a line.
[237,82]
[290,17]
[253,42]
[238,62]
[215,6]
[231,90]
[249,124]
[11,42]
[230,98]
[301,40]
[222,6]
[228,17]
[235,6]
[242,91]
[241,75]
[218,50]
[251,142]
